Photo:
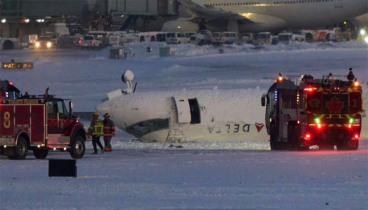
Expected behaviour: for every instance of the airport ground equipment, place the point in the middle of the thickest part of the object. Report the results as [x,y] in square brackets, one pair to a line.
[324,112]
[38,123]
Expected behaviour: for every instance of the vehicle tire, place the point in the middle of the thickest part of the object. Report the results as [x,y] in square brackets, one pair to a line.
[354,147]
[21,150]
[77,147]
[343,146]
[273,139]
[40,153]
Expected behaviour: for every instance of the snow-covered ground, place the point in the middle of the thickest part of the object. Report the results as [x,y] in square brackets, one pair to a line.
[211,175]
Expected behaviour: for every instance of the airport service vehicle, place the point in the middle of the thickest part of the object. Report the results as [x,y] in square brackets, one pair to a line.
[38,123]
[89,42]
[164,116]
[225,38]
[248,38]
[266,38]
[288,38]
[324,112]
[332,34]
[176,38]
[44,42]
[201,38]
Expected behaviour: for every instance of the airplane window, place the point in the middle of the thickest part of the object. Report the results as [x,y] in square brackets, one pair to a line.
[158,124]
[139,129]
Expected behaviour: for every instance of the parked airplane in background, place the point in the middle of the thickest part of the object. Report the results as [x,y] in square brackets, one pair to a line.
[185,116]
[266,15]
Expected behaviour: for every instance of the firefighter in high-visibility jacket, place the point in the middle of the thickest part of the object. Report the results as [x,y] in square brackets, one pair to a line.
[109,132]
[96,130]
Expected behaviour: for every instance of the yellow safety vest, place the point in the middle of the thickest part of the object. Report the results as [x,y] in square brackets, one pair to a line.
[98,128]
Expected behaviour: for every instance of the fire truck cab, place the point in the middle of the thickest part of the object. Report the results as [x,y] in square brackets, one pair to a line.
[324,112]
[39,123]
[7,90]
[282,113]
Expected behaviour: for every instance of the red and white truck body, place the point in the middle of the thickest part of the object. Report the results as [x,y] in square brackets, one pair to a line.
[39,124]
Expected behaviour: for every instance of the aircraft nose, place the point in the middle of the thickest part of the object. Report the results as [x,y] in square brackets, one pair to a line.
[104,108]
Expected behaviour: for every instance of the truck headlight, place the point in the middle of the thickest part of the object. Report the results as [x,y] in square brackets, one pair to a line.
[366,39]
[37,44]
[48,44]
[362,32]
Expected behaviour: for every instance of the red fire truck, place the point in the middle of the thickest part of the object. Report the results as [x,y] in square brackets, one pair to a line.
[324,112]
[38,123]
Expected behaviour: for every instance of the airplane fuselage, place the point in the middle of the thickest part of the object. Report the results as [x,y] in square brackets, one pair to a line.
[206,115]
[280,14]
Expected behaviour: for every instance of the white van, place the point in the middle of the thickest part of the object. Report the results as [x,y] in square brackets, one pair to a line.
[151,36]
[288,38]
[176,38]
[225,38]
[264,38]
[201,38]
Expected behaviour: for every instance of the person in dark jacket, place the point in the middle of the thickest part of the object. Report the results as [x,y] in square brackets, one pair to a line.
[96,130]
[109,132]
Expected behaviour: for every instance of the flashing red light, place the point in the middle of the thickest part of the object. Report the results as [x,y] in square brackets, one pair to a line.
[349,125]
[10,83]
[356,136]
[307,136]
[298,122]
[308,89]
[80,42]
[319,125]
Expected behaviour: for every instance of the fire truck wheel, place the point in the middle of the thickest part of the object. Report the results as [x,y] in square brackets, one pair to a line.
[40,153]
[273,142]
[347,146]
[21,150]
[77,147]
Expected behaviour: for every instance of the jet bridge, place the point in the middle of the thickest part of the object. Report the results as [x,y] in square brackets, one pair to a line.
[143,7]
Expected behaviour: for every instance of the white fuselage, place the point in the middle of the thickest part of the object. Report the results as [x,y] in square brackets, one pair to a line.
[206,115]
[270,15]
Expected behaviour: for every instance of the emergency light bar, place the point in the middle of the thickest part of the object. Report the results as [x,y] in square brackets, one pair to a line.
[310,89]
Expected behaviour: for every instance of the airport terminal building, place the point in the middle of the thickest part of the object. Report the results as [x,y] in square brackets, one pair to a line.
[24,17]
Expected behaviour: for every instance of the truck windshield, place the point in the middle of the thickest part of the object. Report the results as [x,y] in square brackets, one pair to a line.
[63,113]
[88,38]
[44,38]
[283,37]
[288,100]
[264,36]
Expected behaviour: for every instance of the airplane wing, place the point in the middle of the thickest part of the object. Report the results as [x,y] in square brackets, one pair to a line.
[211,13]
